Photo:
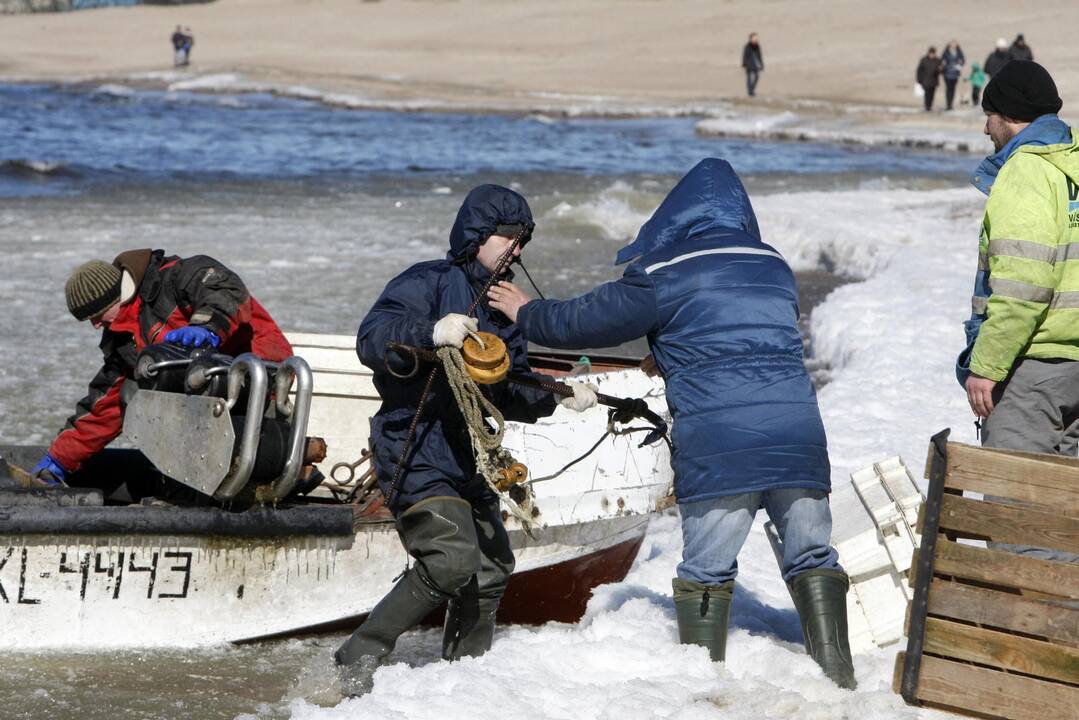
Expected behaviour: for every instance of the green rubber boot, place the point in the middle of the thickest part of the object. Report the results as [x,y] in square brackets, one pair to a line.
[821,599]
[703,613]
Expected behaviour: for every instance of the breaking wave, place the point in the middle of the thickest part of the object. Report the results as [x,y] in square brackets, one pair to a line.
[29,168]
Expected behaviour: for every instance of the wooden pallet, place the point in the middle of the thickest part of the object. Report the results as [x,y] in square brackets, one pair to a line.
[994,633]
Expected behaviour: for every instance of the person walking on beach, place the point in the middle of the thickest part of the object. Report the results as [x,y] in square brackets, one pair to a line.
[998,58]
[1020,368]
[952,62]
[927,76]
[447,516]
[753,63]
[977,82]
[179,54]
[143,297]
[189,42]
[720,310]
[1020,50]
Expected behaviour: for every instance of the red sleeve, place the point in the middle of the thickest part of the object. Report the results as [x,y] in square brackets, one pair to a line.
[88,434]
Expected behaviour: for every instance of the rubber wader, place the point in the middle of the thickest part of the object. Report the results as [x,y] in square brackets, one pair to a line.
[439,533]
[703,613]
[470,617]
[821,599]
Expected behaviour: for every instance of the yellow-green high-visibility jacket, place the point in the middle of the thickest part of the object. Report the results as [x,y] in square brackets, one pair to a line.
[1029,248]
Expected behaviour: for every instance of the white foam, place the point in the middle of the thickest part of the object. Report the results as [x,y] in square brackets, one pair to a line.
[114,89]
[789,125]
[612,212]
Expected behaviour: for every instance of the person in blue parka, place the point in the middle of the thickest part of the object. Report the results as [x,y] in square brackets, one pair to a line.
[447,517]
[720,311]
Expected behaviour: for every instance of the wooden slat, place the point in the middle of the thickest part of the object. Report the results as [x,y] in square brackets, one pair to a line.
[1004,610]
[1010,523]
[1048,480]
[952,684]
[1001,568]
[1002,650]
[897,670]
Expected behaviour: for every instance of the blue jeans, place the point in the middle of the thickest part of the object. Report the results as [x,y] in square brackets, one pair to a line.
[714,530]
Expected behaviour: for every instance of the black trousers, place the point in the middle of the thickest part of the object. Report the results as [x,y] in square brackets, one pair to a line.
[930,91]
[975,96]
[949,91]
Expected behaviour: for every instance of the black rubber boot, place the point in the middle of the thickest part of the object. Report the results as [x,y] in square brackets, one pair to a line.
[821,599]
[703,613]
[470,625]
[438,532]
[470,617]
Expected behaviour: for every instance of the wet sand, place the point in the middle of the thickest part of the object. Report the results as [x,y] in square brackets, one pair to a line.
[839,55]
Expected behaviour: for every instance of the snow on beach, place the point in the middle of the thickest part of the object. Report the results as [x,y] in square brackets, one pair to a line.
[891,340]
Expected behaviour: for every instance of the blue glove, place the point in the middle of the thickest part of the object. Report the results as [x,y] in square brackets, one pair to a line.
[49,471]
[193,336]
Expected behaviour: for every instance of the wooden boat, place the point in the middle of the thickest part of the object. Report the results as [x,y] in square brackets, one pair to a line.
[78,575]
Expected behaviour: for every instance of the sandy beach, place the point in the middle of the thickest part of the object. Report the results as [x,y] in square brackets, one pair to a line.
[823,59]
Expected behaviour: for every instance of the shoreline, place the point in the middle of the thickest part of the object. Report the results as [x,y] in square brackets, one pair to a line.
[835,70]
[794,120]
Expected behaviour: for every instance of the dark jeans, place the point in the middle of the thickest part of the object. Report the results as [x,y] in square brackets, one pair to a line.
[751,81]
[975,96]
[949,91]
[930,91]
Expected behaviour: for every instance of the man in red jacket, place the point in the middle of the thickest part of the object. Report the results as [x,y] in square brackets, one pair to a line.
[144,297]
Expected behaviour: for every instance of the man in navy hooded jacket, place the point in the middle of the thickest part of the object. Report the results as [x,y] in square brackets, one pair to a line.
[447,517]
[720,311]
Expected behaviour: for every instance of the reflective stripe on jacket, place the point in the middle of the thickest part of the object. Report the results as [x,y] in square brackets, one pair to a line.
[1026,300]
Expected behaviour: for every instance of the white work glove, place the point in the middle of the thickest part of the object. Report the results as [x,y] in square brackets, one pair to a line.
[453,329]
[584,397]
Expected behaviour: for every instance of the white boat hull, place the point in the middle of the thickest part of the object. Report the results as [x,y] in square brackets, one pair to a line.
[130,590]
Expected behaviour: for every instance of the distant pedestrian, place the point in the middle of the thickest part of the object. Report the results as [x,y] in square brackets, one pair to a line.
[753,62]
[998,58]
[927,76]
[189,42]
[1020,50]
[952,62]
[977,82]
[179,54]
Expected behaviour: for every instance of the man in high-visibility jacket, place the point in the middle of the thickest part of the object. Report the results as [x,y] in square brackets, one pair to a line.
[1021,365]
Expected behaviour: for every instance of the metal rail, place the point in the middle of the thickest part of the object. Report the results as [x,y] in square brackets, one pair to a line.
[249,366]
[297,414]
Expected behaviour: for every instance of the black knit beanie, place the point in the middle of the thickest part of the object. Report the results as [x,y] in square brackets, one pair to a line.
[93,288]
[1021,90]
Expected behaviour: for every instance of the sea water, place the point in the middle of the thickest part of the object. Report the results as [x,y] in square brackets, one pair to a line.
[317,208]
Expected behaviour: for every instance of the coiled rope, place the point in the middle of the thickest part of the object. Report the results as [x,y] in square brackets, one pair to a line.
[491,457]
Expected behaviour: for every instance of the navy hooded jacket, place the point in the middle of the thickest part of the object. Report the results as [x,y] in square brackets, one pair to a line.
[441,459]
[720,310]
